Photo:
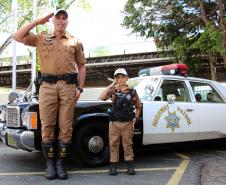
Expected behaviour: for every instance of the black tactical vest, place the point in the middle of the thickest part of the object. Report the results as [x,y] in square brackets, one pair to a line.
[123,106]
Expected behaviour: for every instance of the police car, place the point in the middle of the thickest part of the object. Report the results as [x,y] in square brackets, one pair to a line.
[176,108]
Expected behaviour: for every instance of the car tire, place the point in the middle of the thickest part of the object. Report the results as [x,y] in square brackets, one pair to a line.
[90,144]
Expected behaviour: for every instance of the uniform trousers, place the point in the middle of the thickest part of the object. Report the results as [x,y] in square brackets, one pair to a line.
[121,131]
[57,100]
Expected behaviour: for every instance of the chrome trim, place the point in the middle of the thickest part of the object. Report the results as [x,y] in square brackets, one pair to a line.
[13,116]
[19,139]
[27,140]
[95,144]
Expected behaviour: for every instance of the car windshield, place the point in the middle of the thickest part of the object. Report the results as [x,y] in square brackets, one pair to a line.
[144,87]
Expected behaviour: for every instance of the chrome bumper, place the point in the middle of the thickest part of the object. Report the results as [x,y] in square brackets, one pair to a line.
[17,138]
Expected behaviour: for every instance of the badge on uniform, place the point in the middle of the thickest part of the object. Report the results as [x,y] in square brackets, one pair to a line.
[48,41]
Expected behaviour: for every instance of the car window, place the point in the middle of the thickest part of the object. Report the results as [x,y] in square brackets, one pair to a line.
[205,93]
[176,87]
[144,87]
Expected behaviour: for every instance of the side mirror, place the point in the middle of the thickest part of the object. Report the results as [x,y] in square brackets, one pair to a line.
[13,96]
[171,98]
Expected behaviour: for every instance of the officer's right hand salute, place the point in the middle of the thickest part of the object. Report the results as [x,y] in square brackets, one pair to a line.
[44,19]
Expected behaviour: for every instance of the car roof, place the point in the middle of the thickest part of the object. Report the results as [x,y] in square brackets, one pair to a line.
[174,77]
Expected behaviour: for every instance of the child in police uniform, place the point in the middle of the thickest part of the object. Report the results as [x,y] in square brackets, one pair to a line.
[126,107]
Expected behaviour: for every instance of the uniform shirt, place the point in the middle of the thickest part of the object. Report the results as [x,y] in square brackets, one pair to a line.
[57,56]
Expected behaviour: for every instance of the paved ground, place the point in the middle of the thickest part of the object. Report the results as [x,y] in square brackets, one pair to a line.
[214,171]
[204,165]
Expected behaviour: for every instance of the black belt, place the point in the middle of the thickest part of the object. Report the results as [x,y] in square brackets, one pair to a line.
[70,78]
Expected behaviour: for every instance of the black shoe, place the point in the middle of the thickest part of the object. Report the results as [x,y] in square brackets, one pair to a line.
[63,150]
[49,155]
[113,169]
[61,173]
[130,169]
[50,170]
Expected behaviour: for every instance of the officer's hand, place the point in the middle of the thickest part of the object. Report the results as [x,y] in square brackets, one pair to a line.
[77,94]
[44,19]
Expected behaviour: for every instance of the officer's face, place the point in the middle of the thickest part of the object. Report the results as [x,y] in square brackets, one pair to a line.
[60,22]
[121,79]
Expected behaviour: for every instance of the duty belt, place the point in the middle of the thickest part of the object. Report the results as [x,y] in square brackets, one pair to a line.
[70,78]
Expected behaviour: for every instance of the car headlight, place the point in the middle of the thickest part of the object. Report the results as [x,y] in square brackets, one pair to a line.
[3,113]
[29,120]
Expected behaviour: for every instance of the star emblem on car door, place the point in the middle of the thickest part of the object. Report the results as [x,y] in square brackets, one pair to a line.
[172,120]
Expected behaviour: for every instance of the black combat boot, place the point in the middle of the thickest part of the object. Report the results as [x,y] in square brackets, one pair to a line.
[63,149]
[130,169]
[113,169]
[49,155]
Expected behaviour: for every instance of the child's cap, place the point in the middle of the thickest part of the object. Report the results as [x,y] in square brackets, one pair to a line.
[120,71]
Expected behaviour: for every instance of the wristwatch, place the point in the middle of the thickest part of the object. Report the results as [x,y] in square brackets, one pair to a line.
[80,89]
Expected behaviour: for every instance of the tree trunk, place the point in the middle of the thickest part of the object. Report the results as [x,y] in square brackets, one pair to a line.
[213,70]
[223,27]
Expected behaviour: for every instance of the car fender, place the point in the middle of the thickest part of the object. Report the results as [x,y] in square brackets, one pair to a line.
[83,118]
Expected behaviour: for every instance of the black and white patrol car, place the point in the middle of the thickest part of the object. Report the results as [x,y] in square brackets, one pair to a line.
[176,108]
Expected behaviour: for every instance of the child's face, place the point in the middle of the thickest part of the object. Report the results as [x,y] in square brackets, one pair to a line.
[121,79]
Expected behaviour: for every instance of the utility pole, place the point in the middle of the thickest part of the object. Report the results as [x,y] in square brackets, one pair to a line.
[33,64]
[14,62]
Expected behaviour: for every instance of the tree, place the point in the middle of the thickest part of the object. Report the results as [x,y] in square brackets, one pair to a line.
[177,25]
[25,14]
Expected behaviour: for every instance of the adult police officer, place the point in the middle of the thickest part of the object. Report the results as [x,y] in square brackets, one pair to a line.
[62,65]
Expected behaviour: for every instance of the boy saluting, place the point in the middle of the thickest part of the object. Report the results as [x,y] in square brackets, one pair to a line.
[122,119]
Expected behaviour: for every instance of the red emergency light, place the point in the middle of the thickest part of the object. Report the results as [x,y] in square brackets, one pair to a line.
[171,69]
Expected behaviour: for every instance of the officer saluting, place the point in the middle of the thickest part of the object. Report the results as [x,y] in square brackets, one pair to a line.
[62,66]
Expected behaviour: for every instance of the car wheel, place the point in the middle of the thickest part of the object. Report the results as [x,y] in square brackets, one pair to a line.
[90,144]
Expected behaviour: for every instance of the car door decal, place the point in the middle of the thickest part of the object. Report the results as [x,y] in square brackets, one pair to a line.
[172,117]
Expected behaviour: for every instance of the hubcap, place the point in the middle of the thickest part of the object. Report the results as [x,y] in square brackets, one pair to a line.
[95,144]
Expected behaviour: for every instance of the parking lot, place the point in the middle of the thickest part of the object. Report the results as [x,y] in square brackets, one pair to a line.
[169,166]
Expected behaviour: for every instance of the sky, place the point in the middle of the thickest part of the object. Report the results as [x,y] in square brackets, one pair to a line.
[100,27]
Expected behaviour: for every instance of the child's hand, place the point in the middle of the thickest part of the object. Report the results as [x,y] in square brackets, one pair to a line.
[134,122]
[113,83]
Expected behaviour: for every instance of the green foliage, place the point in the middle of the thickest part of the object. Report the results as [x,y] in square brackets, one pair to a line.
[210,41]
[178,26]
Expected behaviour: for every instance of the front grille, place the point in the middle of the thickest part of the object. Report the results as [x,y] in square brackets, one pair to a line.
[13,116]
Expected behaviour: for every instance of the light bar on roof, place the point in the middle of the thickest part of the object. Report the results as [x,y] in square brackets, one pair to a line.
[171,69]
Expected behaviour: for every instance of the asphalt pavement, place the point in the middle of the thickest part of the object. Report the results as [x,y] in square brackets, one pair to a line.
[200,165]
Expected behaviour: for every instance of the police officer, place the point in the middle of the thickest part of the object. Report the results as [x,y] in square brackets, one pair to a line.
[63,73]
[122,119]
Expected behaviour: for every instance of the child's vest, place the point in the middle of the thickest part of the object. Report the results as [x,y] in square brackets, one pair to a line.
[123,106]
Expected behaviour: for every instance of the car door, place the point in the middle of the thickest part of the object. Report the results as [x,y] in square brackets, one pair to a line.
[166,122]
[211,110]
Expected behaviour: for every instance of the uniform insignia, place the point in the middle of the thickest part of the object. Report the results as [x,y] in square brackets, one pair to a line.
[128,96]
[48,39]
[172,121]
[63,149]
